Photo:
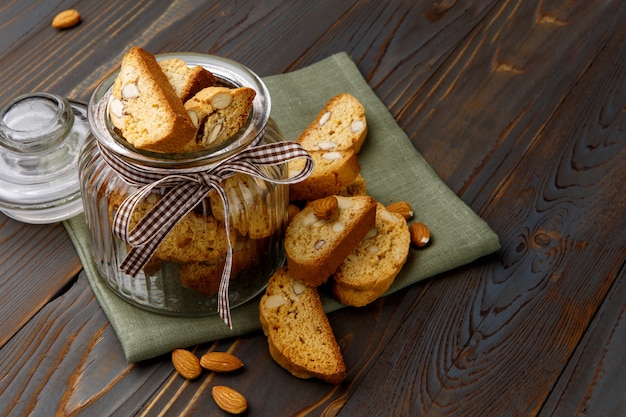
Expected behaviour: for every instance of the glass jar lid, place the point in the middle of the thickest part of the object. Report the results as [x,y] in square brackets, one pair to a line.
[41,136]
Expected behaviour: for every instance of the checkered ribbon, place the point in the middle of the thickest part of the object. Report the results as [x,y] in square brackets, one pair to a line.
[186,188]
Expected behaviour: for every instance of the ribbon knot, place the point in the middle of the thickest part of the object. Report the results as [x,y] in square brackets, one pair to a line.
[185,189]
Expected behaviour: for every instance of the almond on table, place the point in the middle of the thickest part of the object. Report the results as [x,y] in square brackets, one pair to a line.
[186,363]
[229,400]
[220,362]
[66,19]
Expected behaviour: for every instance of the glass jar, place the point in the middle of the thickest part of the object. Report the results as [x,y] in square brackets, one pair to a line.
[184,273]
[41,135]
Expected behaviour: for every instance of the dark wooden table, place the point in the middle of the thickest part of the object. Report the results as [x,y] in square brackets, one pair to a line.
[519,106]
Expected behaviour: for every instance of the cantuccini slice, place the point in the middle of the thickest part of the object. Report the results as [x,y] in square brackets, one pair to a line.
[334,171]
[339,126]
[298,332]
[218,113]
[145,107]
[371,268]
[186,80]
[316,243]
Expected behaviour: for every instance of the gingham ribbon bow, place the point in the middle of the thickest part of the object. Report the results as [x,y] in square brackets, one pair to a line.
[186,189]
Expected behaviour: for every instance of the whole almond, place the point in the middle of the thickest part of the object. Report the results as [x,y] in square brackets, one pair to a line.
[221,100]
[403,208]
[325,208]
[186,363]
[66,19]
[220,362]
[420,234]
[229,400]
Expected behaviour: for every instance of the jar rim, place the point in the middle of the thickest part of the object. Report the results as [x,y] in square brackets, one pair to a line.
[227,72]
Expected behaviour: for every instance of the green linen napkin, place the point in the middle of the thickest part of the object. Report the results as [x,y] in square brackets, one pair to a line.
[393,171]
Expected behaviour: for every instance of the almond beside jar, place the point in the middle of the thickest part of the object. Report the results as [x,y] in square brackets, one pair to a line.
[182,277]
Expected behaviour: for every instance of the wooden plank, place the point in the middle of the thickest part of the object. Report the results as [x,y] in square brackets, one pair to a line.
[69,357]
[26,283]
[464,340]
[497,340]
[181,25]
[72,62]
[268,36]
[592,384]
[67,360]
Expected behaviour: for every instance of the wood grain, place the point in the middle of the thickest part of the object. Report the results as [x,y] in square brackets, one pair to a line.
[549,237]
[26,284]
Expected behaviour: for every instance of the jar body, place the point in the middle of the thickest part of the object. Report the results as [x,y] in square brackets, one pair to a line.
[183,275]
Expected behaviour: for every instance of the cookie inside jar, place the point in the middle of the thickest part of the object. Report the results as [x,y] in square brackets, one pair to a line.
[167,122]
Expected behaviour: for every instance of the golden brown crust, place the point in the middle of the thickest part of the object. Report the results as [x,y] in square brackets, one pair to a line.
[145,107]
[298,332]
[334,171]
[340,125]
[369,270]
[187,81]
[316,247]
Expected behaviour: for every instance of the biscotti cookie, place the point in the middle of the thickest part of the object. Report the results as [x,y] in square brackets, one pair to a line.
[371,268]
[249,211]
[145,107]
[205,276]
[318,240]
[334,171]
[186,80]
[218,113]
[341,125]
[298,332]
[202,276]
[195,238]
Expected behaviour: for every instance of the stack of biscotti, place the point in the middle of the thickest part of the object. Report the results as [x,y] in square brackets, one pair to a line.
[171,107]
[168,107]
[336,234]
[354,242]
[333,139]
[370,269]
[376,255]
